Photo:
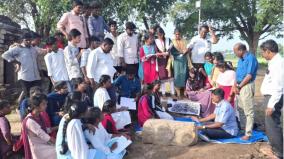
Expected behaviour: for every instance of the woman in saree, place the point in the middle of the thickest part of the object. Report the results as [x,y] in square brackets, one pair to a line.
[148,60]
[181,61]
[196,91]
[162,46]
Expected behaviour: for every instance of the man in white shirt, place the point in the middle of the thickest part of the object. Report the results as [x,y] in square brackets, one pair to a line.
[114,53]
[94,43]
[100,63]
[200,44]
[127,47]
[273,89]
[55,63]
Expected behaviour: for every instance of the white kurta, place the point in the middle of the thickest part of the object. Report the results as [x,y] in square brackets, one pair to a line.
[100,97]
[38,141]
[76,141]
[56,67]
[100,139]
[127,47]
[99,63]
[113,52]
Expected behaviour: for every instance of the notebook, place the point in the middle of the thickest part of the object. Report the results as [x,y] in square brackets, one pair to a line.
[128,102]
[122,143]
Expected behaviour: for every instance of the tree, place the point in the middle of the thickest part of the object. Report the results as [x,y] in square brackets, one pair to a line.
[147,11]
[42,15]
[254,19]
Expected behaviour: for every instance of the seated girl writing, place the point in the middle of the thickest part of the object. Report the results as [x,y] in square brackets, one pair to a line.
[145,107]
[102,141]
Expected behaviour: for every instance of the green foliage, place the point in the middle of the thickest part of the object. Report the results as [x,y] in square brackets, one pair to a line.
[40,14]
[254,19]
[46,13]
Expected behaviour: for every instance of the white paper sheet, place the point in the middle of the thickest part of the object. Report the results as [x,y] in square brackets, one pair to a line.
[128,102]
[122,143]
[121,119]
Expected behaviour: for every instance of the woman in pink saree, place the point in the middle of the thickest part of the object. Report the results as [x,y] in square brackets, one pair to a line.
[197,92]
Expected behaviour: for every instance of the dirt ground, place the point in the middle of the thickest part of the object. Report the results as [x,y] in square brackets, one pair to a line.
[202,150]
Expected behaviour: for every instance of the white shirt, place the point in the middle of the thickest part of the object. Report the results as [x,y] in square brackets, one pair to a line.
[56,67]
[128,48]
[100,97]
[199,47]
[113,52]
[84,57]
[227,78]
[100,139]
[99,63]
[273,82]
[76,140]
[71,61]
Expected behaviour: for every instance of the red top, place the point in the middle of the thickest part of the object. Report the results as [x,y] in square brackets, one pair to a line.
[109,124]
[60,44]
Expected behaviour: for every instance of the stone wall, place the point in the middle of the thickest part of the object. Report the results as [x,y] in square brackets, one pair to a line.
[10,32]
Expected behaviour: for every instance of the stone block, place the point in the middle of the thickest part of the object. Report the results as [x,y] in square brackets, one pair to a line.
[167,132]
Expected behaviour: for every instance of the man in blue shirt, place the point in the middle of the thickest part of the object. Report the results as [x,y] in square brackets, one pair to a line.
[244,86]
[128,85]
[96,23]
[225,124]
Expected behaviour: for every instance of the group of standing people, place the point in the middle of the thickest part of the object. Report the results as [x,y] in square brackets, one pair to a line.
[98,64]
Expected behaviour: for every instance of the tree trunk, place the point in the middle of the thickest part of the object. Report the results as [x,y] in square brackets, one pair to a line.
[146,23]
[253,42]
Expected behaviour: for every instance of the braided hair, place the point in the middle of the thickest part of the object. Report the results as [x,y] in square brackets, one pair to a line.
[75,111]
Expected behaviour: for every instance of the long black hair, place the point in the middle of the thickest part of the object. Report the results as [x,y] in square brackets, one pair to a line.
[34,101]
[71,98]
[227,65]
[75,112]
[103,80]
[108,105]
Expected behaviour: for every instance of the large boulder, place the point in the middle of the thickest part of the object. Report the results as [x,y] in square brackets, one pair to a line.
[168,132]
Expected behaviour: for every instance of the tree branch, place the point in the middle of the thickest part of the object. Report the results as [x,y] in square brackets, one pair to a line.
[240,29]
[266,29]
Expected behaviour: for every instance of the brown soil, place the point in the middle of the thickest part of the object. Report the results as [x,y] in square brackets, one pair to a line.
[202,150]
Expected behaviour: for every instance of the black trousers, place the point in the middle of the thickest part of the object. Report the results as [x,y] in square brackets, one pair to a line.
[44,74]
[27,85]
[217,133]
[273,128]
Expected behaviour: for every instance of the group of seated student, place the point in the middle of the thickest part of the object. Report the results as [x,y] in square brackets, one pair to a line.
[83,131]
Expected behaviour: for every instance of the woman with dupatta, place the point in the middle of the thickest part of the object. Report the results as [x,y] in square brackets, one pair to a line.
[148,60]
[34,132]
[162,46]
[181,62]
